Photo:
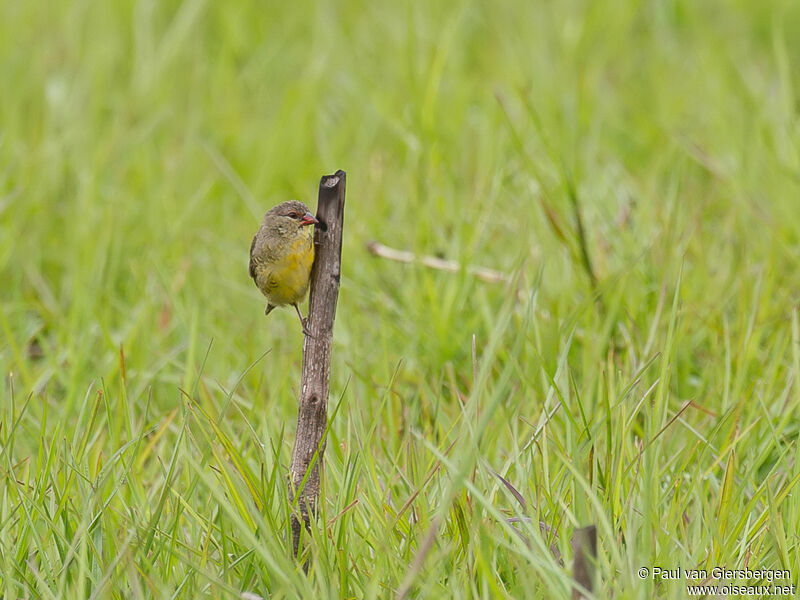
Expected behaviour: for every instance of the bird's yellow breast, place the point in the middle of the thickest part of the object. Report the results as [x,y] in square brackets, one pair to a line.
[287,278]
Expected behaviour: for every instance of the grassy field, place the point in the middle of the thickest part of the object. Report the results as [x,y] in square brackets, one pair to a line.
[633,167]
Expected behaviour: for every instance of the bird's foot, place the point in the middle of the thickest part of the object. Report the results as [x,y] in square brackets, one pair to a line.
[304,323]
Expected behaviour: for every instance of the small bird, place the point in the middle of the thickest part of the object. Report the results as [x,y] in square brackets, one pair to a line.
[281,256]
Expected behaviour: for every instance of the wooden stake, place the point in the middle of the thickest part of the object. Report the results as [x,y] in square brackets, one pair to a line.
[584,547]
[312,414]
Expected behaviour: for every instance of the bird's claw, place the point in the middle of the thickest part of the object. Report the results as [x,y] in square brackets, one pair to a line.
[304,322]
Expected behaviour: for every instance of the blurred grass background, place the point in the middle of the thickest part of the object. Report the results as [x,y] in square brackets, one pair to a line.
[149,407]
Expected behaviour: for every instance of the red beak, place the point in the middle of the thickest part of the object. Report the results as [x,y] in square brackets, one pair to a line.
[308,219]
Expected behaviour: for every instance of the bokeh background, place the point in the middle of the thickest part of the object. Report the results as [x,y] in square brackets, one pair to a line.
[632,167]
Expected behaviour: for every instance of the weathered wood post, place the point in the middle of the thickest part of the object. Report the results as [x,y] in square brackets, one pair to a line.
[584,546]
[312,414]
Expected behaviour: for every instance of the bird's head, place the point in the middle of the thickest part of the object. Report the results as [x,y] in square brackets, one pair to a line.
[289,217]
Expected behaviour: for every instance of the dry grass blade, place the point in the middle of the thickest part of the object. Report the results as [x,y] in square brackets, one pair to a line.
[513,490]
[433,262]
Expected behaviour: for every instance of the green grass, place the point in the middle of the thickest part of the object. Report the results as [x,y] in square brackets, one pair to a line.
[148,407]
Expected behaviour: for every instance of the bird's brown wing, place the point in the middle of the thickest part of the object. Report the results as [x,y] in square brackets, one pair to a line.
[252,262]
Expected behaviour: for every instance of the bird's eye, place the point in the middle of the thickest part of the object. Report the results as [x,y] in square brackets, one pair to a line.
[292,215]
